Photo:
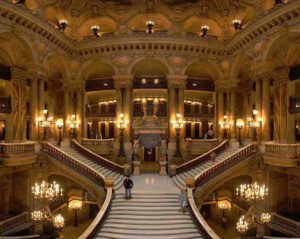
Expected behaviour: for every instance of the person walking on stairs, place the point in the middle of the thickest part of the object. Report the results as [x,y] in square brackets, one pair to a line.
[183,199]
[128,184]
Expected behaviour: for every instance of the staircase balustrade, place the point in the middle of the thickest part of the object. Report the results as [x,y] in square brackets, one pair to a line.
[13,149]
[203,158]
[97,158]
[93,228]
[224,165]
[286,223]
[74,164]
[13,222]
[282,150]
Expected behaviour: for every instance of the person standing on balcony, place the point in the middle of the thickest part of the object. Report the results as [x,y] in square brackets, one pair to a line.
[128,184]
[183,199]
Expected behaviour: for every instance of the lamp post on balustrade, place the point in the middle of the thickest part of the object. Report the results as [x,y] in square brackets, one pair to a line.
[239,125]
[254,123]
[178,125]
[59,125]
[121,126]
[75,205]
[73,124]
[225,125]
[45,123]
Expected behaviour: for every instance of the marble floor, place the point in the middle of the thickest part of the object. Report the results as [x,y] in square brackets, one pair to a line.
[70,232]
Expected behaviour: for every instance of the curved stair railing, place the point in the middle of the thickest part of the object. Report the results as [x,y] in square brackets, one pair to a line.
[13,222]
[91,174]
[208,174]
[202,158]
[97,158]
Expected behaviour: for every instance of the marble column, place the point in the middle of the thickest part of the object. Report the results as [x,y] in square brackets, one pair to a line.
[128,111]
[171,112]
[280,105]
[265,112]
[84,119]
[79,112]
[33,107]
[192,130]
[215,120]
[66,110]
[181,107]
[41,93]
[258,103]
[233,113]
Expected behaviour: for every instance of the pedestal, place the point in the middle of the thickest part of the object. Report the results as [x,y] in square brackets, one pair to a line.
[136,168]
[190,182]
[162,168]
[127,170]
[172,171]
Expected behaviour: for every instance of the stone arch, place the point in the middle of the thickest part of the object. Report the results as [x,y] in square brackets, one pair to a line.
[149,66]
[56,67]
[201,69]
[17,49]
[96,68]
[242,63]
[138,22]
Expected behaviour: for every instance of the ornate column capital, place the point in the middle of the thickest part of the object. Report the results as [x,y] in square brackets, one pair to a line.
[226,85]
[177,81]
[18,75]
[281,75]
[123,81]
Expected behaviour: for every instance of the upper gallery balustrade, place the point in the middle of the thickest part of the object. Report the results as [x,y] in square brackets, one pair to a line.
[101,110]
[263,23]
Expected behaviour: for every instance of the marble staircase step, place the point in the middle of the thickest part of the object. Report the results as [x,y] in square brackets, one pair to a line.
[104,235]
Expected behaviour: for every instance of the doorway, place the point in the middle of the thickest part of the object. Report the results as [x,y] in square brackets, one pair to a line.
[149,155]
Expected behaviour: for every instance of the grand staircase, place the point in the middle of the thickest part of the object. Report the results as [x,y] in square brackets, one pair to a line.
[106,172]
[149,214]
[179,178]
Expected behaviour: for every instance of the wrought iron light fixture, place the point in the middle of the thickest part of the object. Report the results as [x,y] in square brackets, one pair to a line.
[95,30]
[237,24]
[150,25]
[204,30]
[63,24]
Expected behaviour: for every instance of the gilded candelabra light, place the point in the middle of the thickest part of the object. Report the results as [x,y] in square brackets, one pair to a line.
[73,124]
[252,193]
[225,125]
[122,126]
[178,125]
[37,216]
[59,125]
[46,190]
[254,122]
[75,205]
[240,125]
[45,123]
[59,221]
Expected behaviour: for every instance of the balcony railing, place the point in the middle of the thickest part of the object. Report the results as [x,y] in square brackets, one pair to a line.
[197,35]
[286,223]
[13,222]
[5,105]
[282,154]
[155,33]
[9,150]
[200,146]
[102,35]
[99,146]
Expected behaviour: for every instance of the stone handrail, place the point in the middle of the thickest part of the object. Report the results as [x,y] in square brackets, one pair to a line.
[91,231]
[200,145]
[13,149]
[286,223]
[106,143]
[22,237]
[97,158]
[68,160]
[198,219]
[218,168]
[282,150]
[203,158]
[13,222]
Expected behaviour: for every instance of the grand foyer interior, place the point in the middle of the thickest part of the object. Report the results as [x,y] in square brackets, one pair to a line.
[194,94]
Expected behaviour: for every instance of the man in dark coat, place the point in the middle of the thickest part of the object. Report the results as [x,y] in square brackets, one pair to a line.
[128,184]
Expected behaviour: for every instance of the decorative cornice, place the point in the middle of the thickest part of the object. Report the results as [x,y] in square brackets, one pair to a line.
[177,81]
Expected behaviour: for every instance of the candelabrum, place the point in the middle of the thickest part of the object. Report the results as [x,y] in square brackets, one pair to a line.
[252,193]
[254,123]
[240,125]
[178,125]
[225,125]
[45,123]
[59,125]
[58,220]
[73,124]
[122,126]
[75,205]
[46,190]
[150,25]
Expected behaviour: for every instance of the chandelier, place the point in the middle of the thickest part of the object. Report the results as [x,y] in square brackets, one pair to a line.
[37,216]
[242,225]
[59,221]
[252,191]
[46,190]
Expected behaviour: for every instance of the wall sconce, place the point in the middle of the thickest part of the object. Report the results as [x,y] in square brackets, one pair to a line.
[204,30]
[237,24]
[63,24]
[95,30]
[150,25]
